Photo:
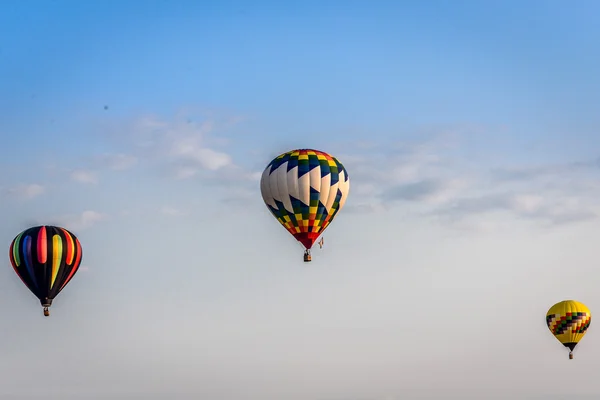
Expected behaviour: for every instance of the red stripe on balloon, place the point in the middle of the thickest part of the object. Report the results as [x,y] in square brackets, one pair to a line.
[42,246]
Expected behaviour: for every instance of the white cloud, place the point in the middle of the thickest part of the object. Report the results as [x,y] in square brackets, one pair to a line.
[84,176]
[183,147]
[185,172]
[364,208]
[88,218]
[452,190]
[405,172]
[553,210]
[429,191]
[203,157]
[429,175]
[26,191]
[187,147]
[77,222]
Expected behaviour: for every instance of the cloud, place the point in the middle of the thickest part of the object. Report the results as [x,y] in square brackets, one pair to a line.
[182,147]
[445,186]
[78,222]
[188,147]
[364,208]
[194,153]
[437,176]
[185,173]
[553,210]
[516,174]
[25,191]
[432,191]
[84,176]
[384,176]
[185,146]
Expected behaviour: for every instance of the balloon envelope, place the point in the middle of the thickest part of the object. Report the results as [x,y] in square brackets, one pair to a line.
[305,189]
[46,258]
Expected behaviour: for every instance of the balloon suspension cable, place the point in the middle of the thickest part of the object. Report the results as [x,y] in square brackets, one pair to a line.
[46,312]
[570,355]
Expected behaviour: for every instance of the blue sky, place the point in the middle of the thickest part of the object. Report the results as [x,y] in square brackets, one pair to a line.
[470,134]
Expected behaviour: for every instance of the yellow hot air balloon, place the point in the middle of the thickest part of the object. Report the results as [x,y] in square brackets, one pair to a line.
[568,321]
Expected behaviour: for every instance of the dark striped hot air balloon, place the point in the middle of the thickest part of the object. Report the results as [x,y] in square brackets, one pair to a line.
[46,258]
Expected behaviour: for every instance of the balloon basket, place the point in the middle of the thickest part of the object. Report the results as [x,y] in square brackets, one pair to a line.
[570,356]
[46,312]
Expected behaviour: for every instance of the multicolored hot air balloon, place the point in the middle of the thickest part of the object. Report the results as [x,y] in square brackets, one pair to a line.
[46,258]
[305,189]
[568,321]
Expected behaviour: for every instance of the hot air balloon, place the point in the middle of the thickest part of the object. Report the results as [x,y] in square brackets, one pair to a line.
[46,258]
[568,321]
[305,189]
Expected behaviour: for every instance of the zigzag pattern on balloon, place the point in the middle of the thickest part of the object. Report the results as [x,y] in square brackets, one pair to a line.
[577,322]
[304,189]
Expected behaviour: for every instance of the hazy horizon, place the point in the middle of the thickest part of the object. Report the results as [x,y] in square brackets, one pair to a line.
[470,133]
